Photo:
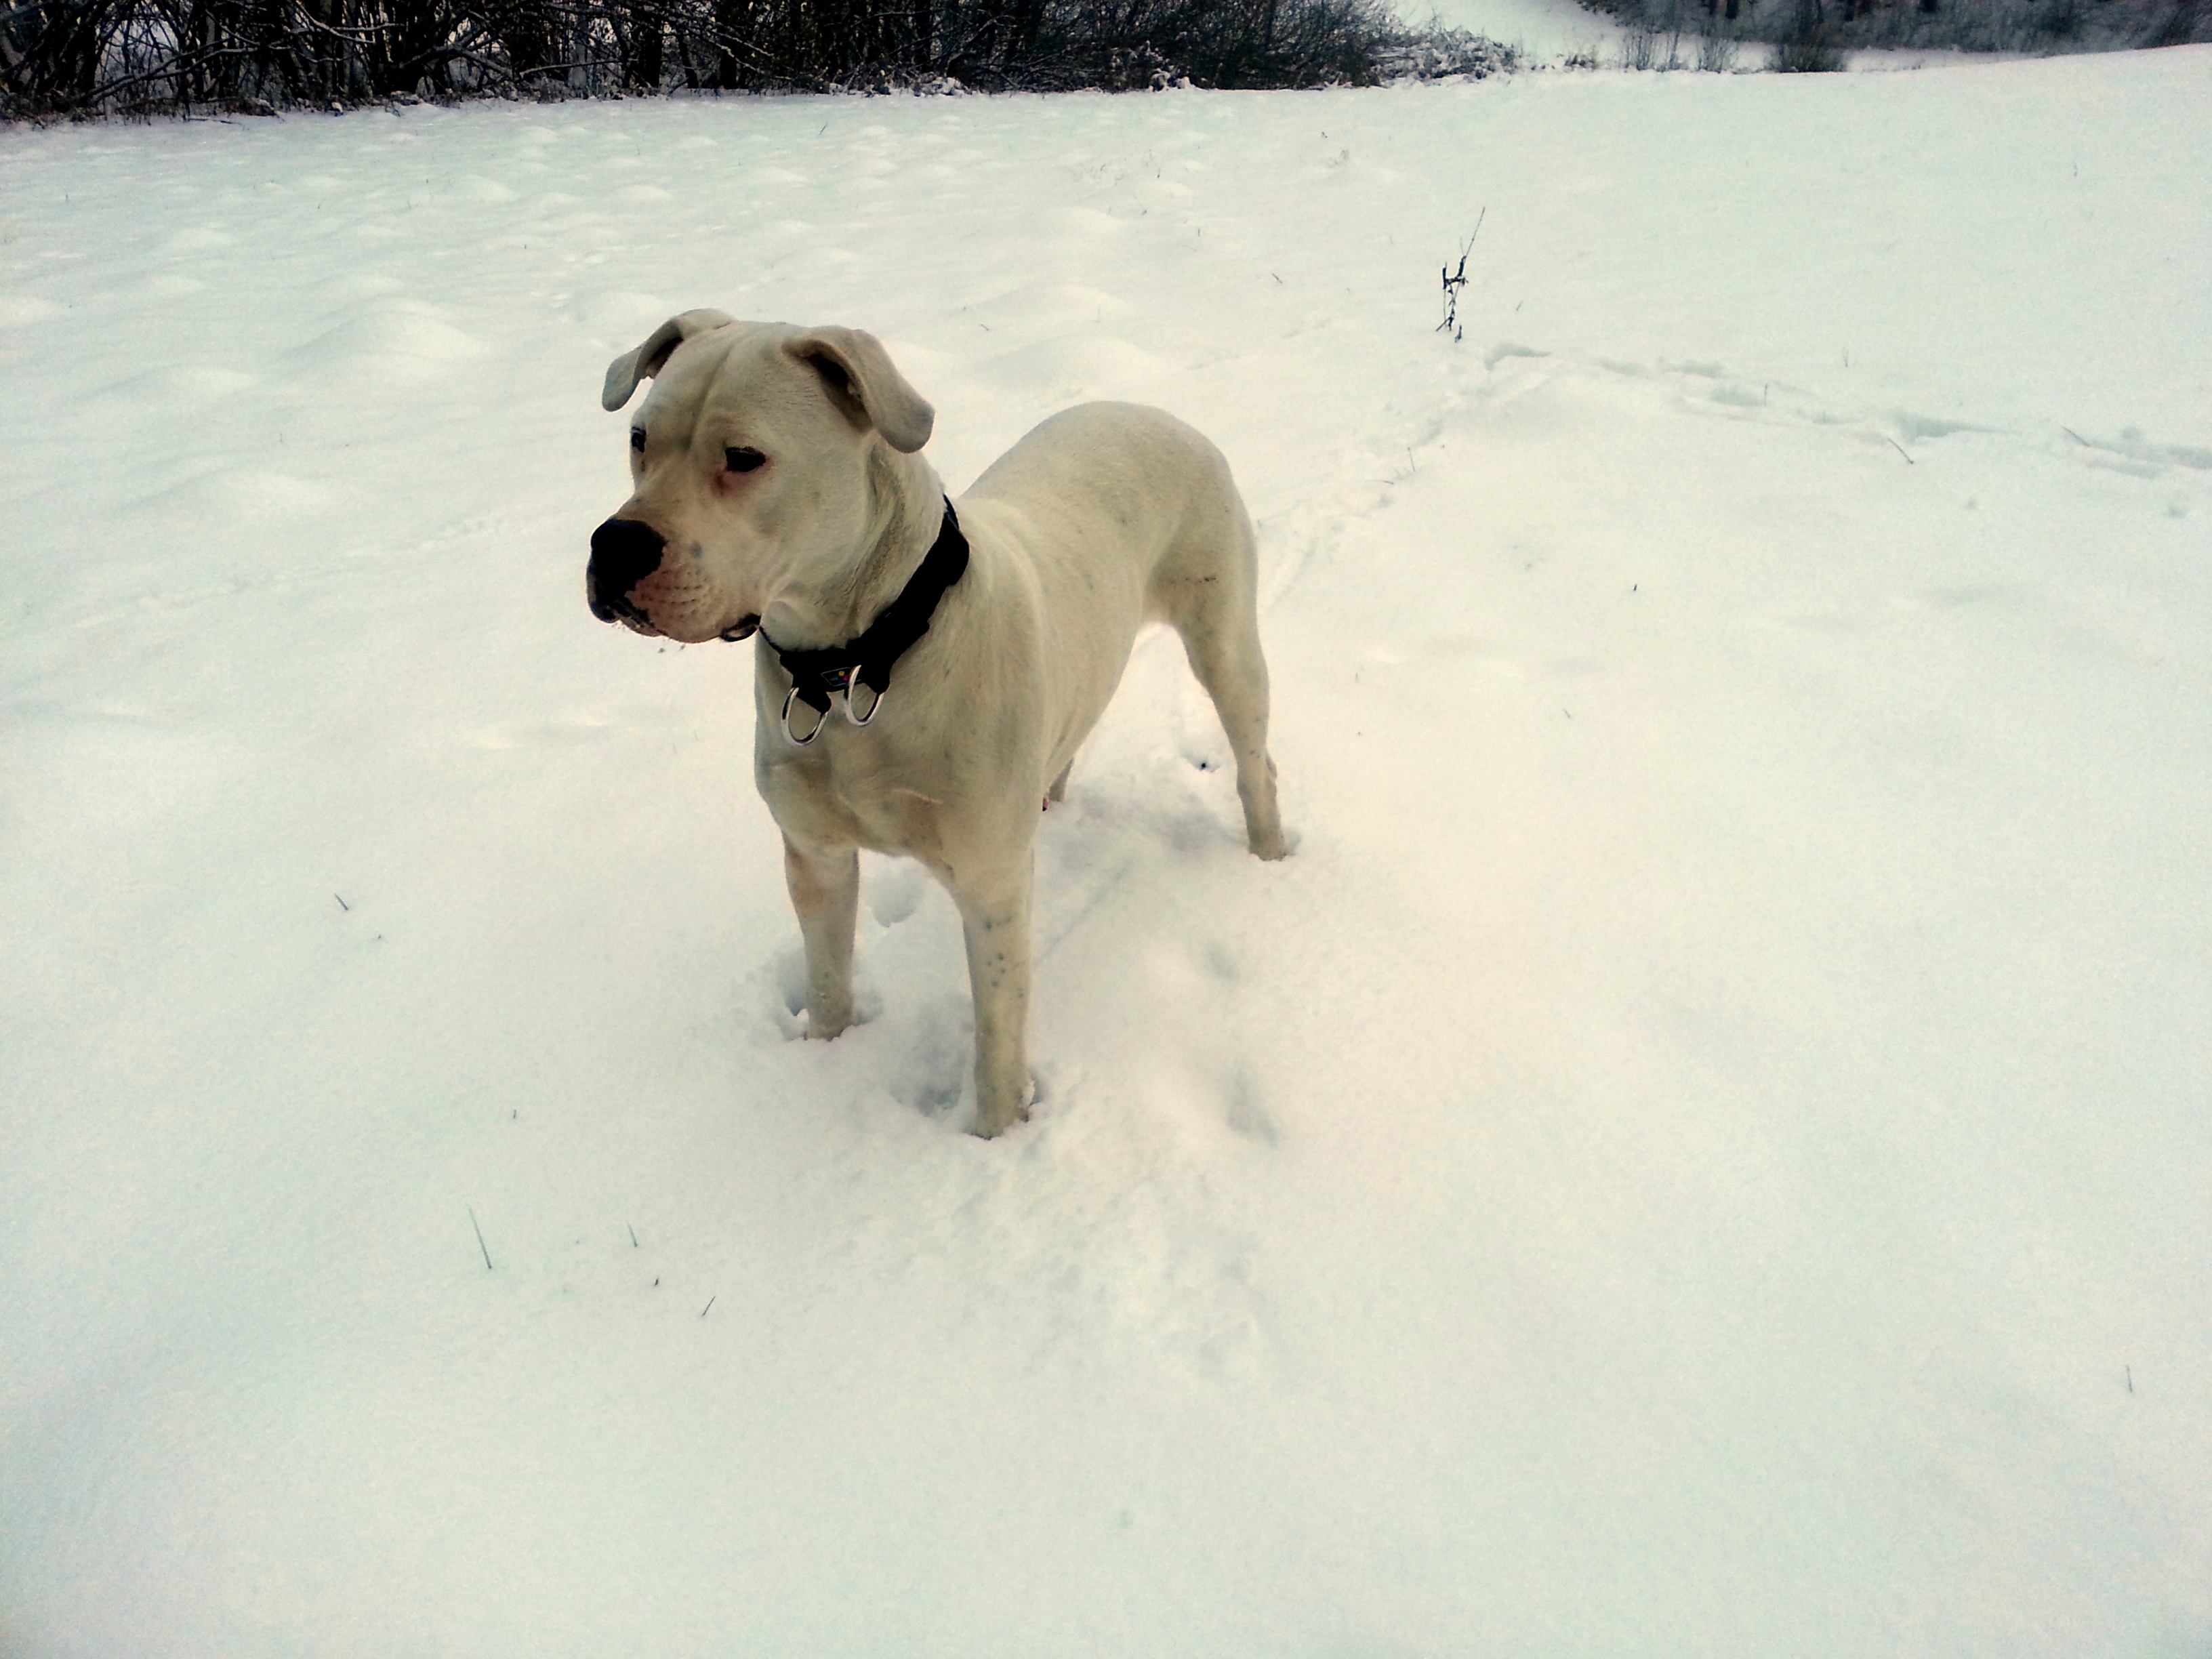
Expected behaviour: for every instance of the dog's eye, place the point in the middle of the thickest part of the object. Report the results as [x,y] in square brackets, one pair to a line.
[742,460]
[637,439]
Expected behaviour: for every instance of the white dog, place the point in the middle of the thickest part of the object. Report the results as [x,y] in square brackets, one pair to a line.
[924,671]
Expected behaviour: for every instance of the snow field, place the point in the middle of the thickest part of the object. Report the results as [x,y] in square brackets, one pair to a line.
[1703,1150]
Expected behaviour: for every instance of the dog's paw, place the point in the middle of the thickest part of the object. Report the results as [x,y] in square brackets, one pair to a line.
[989,1125]
[804,1023]
[992,1127]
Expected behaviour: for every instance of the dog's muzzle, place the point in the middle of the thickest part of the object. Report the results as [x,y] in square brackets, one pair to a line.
[624,552]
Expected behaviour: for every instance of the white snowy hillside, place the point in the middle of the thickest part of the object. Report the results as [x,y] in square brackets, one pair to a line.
[1704,1150]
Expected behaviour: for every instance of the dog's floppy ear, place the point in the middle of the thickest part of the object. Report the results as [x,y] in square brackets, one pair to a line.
[863,382]
[642,364]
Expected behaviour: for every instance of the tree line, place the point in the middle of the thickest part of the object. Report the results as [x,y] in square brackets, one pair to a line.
[65,57]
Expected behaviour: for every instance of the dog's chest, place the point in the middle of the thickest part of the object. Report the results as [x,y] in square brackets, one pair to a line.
[830,799]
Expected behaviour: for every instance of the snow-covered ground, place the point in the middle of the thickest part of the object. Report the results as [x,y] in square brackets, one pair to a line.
[1703,1151]
[1541,31]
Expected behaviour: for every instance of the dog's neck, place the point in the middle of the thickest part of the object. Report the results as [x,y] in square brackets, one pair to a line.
[905,509]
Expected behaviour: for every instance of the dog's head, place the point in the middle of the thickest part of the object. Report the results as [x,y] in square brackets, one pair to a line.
[754,464]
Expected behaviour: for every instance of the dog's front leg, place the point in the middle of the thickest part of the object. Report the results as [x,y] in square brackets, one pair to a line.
[994,917]
[825,892]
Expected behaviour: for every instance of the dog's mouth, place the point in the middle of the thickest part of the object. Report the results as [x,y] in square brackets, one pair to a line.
[634,618]
[616,608]
[626,606]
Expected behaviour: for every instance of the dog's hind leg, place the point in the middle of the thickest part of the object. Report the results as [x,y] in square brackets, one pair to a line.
[1207,590]
[1219,624]
[1228,664]
[825,892]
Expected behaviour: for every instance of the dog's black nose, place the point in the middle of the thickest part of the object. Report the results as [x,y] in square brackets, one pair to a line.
[624,552]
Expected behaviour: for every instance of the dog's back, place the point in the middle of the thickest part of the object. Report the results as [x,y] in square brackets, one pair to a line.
[1123,516]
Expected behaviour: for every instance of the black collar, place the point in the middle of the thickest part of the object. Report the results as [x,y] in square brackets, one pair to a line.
[816,675]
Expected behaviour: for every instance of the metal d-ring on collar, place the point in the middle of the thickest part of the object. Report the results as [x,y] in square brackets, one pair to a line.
[817,677]
[842,688]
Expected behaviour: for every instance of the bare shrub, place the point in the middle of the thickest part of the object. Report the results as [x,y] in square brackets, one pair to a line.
[2178,27]
[108,57]
[1845,25]
[1808,47]
[1652,39]
[2061,20]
